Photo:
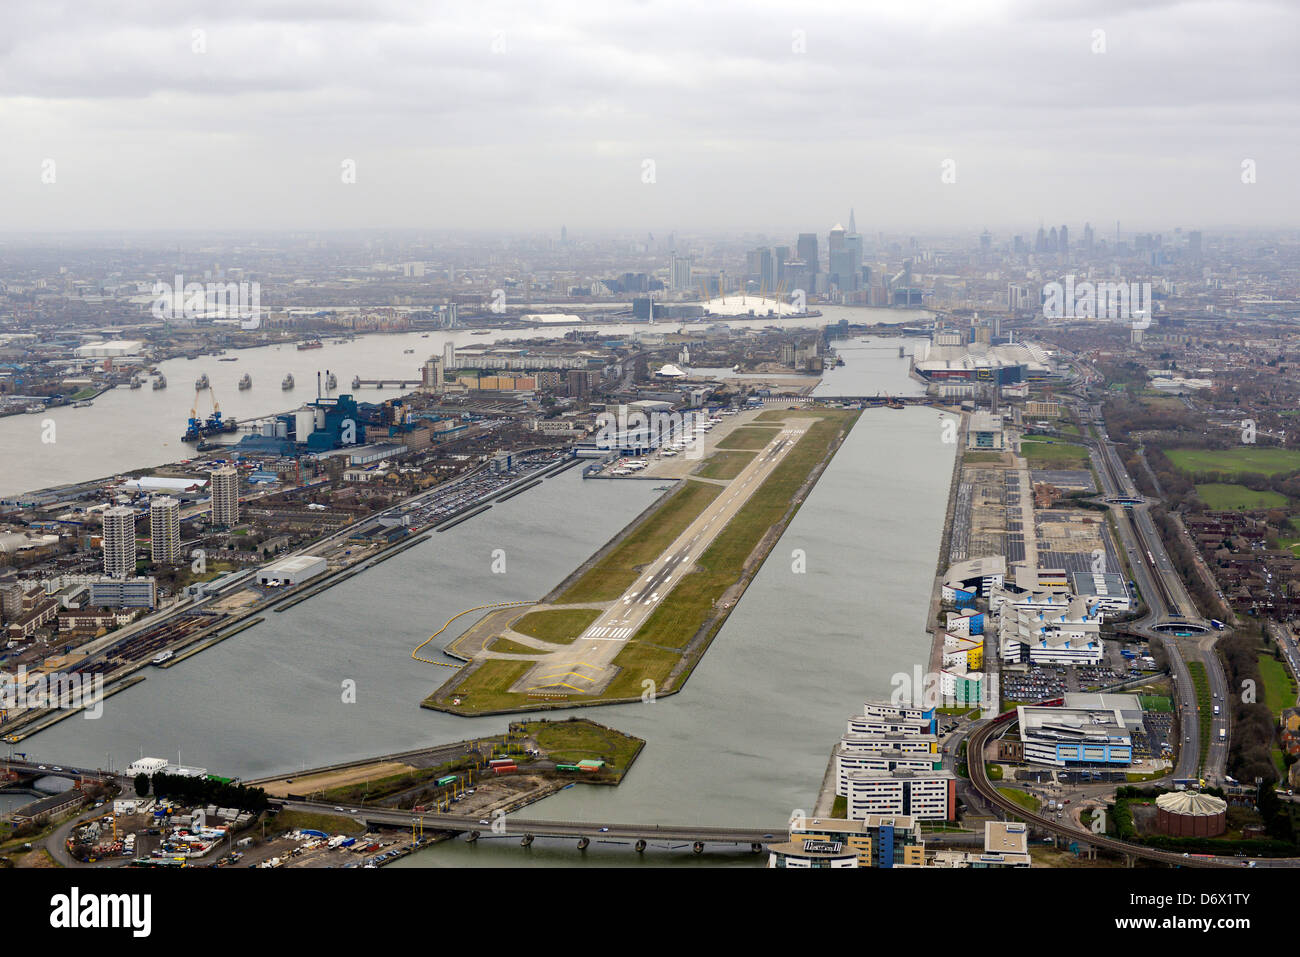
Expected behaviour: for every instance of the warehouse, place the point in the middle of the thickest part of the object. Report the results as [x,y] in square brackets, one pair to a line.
[292,571]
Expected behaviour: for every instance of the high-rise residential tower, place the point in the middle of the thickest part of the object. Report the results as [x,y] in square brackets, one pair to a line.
[119,542]
[165,529]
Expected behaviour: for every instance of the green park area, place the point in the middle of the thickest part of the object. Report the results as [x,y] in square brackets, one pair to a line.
[1222,497]
[577,739]
[1279,688]
[1053,455]
[1235,461]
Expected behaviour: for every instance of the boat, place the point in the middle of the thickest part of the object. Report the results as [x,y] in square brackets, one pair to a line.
[35,409]
[229,359]
[408,352]
[135,382]
[287,382]
[245,381]
[310,344]
[356,382]
[201,382]
[488,332]
[165,656]
[160,382]
[84,404]
[331,382]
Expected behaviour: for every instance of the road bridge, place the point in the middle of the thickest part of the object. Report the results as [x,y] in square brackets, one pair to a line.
[512,826]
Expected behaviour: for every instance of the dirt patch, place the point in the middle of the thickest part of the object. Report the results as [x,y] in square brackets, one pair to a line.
[334,779]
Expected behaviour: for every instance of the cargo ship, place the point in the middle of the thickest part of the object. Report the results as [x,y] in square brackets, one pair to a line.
[310,344]
[287,382]
[245,381]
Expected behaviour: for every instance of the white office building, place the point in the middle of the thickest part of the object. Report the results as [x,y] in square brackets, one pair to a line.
[924,795]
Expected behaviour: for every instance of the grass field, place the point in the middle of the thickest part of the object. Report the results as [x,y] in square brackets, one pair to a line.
[508,647]
[483,690]
[1204,707]
[1026,801]
[612,575]
[980,458]
[1043,455]
[558,625]
[1154,702]
[1279,689]
[1223,497]
[748,437]
[1247,458]
[568,742]
[725,465]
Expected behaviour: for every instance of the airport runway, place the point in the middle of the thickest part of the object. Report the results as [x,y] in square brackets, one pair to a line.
[586,665]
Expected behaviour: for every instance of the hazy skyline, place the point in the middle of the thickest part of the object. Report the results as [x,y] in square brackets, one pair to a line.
[757,116]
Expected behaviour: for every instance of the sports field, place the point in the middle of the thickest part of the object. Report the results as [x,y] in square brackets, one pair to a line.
[1223,497]
[1247,458]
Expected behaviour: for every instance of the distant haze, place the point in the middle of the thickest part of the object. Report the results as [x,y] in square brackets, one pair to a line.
[757,115]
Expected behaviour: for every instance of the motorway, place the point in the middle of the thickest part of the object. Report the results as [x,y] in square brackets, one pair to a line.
[1172,618]
[586,665]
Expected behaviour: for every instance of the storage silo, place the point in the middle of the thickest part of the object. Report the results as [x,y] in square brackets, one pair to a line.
[1191,814]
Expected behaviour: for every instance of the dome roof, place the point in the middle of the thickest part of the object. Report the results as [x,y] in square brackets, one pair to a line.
[1192,803]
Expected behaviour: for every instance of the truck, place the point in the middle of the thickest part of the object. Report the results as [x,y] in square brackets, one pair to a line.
[1218,625]
[1223,734]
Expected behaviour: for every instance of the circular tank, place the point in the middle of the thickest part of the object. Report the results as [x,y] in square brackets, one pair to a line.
[1191,814]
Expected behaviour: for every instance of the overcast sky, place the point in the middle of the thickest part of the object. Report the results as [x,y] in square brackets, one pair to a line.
[757,115]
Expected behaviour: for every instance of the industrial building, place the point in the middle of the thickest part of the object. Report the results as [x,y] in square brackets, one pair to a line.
[1089,730]
[1191,814]
[950,355]
[1107,592]
[292,571]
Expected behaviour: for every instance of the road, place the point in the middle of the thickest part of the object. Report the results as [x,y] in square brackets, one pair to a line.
[575,829]
[1172,618]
